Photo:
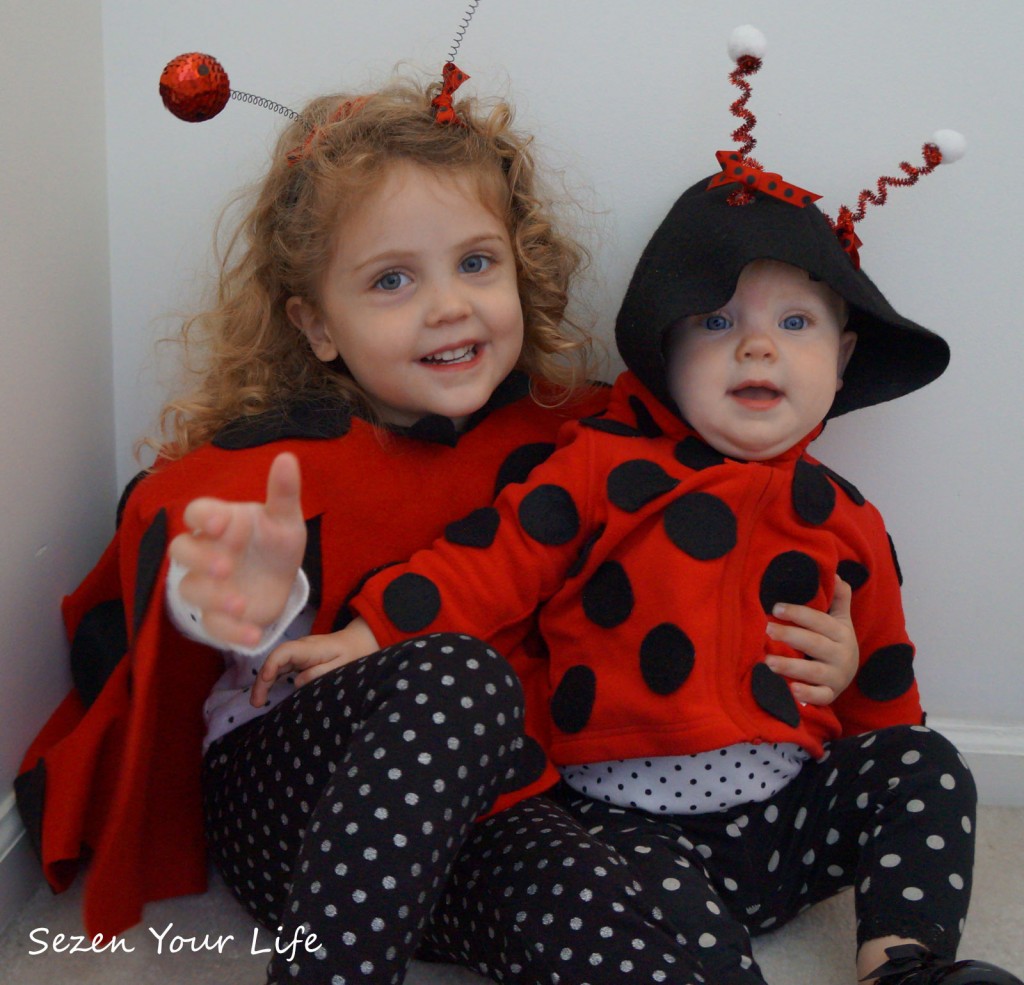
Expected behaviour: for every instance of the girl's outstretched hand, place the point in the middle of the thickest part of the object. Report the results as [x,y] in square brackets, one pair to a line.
[828,638]
[313,656]
[243,558]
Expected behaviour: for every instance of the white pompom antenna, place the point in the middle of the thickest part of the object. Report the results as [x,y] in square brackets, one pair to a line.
[952,145]
[746,40]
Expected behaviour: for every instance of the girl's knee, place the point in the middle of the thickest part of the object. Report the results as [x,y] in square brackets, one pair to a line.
[463,672]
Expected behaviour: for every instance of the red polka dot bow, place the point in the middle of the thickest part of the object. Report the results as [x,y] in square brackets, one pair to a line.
[452,77]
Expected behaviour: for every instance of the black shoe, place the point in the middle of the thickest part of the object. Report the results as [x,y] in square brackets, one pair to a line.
[912,964]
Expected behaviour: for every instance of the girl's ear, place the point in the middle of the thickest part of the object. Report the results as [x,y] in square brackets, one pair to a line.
[308,320]
[847,343]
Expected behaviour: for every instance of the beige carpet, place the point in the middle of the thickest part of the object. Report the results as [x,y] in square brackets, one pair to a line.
[816,949]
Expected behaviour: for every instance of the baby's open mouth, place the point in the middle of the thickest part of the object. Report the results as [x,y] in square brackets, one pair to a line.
[463,354]
[756,393]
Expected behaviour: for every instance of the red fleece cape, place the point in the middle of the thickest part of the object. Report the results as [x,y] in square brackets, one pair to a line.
[115,777]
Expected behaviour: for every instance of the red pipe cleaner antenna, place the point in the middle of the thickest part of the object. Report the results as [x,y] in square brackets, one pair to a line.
[746,48]
[945,147]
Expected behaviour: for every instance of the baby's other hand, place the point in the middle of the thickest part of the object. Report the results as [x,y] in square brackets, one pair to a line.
[313,656]
[827,638]
[243,558]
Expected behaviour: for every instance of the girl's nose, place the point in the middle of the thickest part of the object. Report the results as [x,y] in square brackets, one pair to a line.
[448,303]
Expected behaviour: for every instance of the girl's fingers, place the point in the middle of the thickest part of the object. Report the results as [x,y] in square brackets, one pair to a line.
[232,631]
[208,516]
[318,670]
[296,655]
[284,488]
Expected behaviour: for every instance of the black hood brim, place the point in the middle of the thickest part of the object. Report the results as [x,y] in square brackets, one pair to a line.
[692,265]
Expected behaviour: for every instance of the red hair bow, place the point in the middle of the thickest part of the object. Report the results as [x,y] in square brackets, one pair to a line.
[451,78]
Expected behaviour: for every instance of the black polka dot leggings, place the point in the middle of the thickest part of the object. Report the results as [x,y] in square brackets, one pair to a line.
[349,811]
[890,813]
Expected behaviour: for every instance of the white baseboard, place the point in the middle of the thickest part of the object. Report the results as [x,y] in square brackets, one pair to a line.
[995,754]
[20,875]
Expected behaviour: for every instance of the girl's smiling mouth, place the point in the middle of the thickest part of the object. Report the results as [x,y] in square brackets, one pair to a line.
[458,355]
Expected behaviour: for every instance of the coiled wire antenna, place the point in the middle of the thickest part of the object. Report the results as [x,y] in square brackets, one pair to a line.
[461,32]
[264,103]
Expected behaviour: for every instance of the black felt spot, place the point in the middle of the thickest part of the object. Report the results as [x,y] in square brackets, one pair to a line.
[411,602]
[696,455]
[345,614]
[476,530]
[436,429]
[608,596]
[888,673]
[151,554]
[610,427]
[895,560]
[853,573]
[312,561]
[851,491]
[581,559]
[548,515]
[635,483]
[30,792]
[572,704]
[315,420]
[814,497]
[772,694]
[520,462]
[666,658]
[128,490]
[99,644]
[701,525]
[790,577]
[530,766]
[645,422]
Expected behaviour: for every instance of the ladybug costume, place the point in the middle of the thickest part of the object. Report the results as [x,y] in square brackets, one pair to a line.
[113,778]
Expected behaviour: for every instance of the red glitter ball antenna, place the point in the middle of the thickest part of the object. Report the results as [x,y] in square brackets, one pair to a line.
[194,87]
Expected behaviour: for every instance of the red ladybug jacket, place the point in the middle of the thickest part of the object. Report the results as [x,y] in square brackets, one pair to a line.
[114,776]
[658,561]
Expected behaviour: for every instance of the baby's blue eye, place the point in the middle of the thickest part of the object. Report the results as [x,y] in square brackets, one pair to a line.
[715,323]
[794,323]
[475,264]
[392,281]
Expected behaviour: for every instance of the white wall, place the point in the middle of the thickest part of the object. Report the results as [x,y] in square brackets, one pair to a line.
[631,99]
[57,481]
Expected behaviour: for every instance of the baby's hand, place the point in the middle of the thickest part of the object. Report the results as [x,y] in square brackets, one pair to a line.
[243,558]
[828,638]
[313,656]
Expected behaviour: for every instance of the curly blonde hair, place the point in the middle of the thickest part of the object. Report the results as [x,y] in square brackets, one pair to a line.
[246,353]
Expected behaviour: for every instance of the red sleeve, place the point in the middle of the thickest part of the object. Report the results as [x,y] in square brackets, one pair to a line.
[884,691]
[489,572]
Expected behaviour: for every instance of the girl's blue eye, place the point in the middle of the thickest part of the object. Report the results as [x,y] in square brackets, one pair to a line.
[392,281]
[715,323]
[794,323]
[475,264]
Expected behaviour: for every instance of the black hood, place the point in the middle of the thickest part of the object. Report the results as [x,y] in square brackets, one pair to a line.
[692,265]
